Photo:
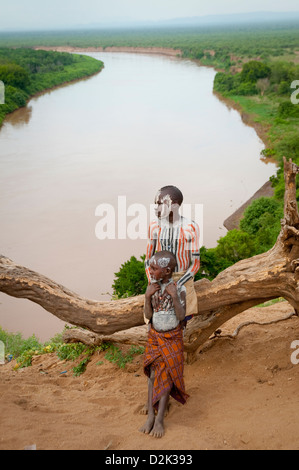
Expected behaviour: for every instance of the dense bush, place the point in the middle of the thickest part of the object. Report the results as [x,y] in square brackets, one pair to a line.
[14,98]
[25,72]
[14,75]
[254,70]
[283,73]
[251,221]
[287,109]
[210,264]
[131,279]
[277,78]
[16,345]
[235,84]
[289,146]
[234,246]
[262,220]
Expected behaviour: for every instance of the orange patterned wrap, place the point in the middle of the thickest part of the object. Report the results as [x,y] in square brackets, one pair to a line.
[165,354]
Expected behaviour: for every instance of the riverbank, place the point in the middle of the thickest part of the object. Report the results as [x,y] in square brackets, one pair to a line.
[140,50]
[266,190]
[248,119]
[233,221]
[242,397]
[267,104]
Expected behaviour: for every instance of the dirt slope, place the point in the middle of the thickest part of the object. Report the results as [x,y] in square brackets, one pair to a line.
[243,395]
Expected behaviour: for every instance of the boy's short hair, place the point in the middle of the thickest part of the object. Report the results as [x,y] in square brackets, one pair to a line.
[166,259]
[176,194]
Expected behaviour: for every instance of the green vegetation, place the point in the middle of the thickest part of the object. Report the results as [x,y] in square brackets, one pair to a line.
[247,40]
[23,350]
[26,72]
[116,356]
[258,232]
[263,91]
[15,345]
[131,279]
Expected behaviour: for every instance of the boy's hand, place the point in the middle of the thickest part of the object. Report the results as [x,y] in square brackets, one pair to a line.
[151,289]
[171,289]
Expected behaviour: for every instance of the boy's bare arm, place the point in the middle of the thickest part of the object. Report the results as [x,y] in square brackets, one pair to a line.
[148,309]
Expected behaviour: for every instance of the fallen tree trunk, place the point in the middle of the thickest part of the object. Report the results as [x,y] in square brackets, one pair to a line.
[245,284]
[136,335]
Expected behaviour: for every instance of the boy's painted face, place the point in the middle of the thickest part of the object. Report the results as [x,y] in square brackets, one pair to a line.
[158,268]
[163,203]
[165,207]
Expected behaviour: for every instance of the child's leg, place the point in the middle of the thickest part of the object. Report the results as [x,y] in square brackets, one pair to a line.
[158,429]
[147,427]
[144,410]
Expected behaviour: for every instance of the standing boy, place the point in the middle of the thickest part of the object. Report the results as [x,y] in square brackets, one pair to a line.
[165,308]
[174,233]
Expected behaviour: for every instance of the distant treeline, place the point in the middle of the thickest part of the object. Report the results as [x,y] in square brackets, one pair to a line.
[26,72]
[228,43]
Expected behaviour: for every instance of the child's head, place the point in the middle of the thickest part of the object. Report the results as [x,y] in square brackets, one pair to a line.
[168,200]
[162,265]
[172,192]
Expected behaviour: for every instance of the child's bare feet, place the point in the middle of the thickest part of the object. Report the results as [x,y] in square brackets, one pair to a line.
[158,429]
[148,426]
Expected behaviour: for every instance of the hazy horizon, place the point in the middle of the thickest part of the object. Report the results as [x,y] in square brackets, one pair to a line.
[18,15]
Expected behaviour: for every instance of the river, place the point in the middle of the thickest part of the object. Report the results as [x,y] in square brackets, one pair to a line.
[144,122]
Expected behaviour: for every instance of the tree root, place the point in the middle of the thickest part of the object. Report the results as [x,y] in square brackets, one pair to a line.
[218,335]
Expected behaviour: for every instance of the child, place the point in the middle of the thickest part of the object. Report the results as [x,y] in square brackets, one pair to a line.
[165,308]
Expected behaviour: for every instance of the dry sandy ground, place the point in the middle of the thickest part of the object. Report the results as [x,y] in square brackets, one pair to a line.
[243,395]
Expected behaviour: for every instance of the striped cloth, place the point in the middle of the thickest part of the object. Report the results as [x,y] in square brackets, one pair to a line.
[165,354]
[182,239]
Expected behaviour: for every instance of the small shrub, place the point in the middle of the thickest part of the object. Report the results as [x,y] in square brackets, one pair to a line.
[116,356]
